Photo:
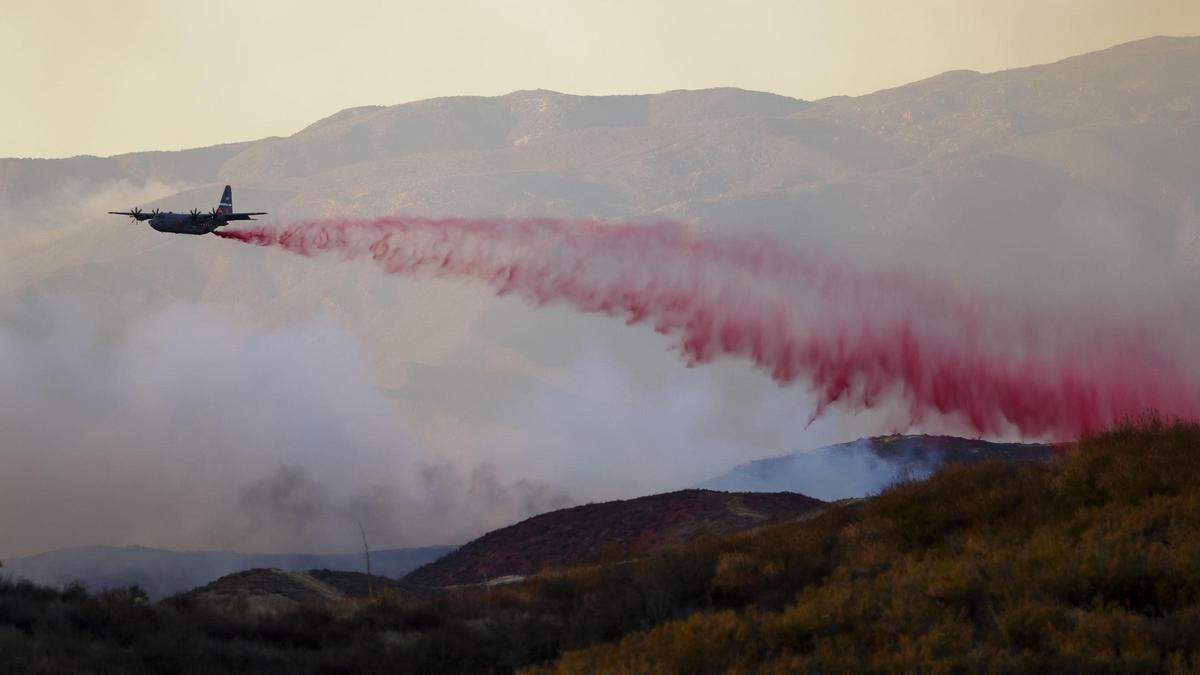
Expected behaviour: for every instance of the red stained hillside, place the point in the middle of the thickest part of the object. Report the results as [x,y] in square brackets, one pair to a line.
[590,533]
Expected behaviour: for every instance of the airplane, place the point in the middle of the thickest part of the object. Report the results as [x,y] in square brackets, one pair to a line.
[194,222]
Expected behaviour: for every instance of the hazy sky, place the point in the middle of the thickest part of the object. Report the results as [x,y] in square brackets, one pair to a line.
[110,77]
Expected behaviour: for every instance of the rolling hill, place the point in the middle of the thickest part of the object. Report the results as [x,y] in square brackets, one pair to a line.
[609,531]
[162,573]
[274,591]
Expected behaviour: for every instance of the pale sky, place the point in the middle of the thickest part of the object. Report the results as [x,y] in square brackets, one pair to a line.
[87,77]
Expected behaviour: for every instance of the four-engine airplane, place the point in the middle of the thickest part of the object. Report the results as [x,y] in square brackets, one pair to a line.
[194,222]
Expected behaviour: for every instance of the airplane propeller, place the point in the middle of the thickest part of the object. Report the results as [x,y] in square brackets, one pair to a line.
[134,213]
[214,214]
[195,213]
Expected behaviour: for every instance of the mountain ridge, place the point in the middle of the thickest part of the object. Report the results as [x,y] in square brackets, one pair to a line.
[1052,192]
[163,572]
[1151,44]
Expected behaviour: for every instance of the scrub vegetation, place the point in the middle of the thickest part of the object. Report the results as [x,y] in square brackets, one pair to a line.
[1089,562]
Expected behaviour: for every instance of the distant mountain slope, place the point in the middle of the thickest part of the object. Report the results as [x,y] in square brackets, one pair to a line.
[868,465]
[161,573]
[1076,178]
[1155,80]
[585,534]
[1010,173]
[25,183]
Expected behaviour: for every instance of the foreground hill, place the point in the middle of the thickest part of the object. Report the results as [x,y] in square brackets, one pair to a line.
[1088,564]
[265,591]
[610,530]
[868,465]
[1084,563]
[161,573]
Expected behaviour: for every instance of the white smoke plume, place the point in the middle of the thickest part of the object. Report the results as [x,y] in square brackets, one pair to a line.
[181,430]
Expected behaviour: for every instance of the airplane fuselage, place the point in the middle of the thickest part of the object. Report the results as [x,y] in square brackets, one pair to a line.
[185,223]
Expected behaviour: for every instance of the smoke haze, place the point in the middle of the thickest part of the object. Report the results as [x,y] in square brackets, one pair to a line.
[186,432]
[840,471]
[186,392]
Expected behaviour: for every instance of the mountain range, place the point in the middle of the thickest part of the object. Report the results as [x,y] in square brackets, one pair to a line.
[1075,178]
[1011,156]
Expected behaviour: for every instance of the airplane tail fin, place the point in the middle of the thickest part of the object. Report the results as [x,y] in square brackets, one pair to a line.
[226,201]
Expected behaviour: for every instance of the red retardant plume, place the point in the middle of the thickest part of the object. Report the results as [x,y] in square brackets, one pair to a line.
[855,337]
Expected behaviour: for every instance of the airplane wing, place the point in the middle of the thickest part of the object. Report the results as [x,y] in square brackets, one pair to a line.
[243,216]
[136,215]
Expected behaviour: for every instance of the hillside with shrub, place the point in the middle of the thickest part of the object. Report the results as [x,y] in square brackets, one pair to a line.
[1088,562]
[265,591]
